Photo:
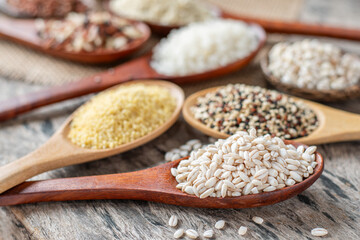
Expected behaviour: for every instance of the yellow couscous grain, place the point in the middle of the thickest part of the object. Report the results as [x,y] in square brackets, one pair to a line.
[121,115]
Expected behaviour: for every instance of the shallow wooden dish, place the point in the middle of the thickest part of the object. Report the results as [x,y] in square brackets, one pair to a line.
[312,94]
[59,151]
[334,125]
[153,184]
[23,31]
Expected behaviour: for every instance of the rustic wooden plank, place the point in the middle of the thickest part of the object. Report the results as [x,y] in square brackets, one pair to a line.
[332,202]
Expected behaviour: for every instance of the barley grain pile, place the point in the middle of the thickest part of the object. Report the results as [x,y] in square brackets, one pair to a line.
[121,115]
[313,64]
[244,164]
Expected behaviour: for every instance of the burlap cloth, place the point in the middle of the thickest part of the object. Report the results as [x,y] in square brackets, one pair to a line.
[23,64]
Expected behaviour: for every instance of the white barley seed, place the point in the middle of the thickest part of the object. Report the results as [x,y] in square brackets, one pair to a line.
[269,189]
[191,233]
[313,164]
[211,182]
[189,190]
[220,224]
[168,156]
[175,156]
[207,193]
[236,194]
[224,190]
[179,233]
[258,220]
[173,221]
[208,233]
[254,190]
[310,150]
[296,176]
[242,230]
[290,182]
[174,172]
[319,232]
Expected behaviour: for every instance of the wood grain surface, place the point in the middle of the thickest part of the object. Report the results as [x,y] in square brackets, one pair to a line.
[333,202]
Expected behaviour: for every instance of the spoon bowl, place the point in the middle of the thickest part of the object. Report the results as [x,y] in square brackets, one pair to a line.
[163,29]
[334,125]
[59,151]
[312,94]
[136,69]
[23,31]
[153,184]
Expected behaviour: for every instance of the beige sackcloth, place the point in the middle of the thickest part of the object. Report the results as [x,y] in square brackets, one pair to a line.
[23,64]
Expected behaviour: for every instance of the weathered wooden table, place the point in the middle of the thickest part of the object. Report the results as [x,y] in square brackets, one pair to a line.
[333,202]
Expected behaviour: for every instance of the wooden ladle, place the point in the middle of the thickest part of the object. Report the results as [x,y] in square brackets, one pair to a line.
[59,151]
[23,31]
[153,184]
[136,69]
[334,125]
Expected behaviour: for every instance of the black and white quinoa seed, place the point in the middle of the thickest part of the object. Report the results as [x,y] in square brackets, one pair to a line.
[240,107]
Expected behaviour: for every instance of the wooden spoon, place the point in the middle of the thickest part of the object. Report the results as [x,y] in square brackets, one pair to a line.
[23,31]
[334,125]
[153,184]
[59,151]
[136,69]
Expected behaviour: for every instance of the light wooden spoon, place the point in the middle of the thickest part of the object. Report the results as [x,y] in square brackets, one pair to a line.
[59,151]
[136,69]
[152,184]
[334,125]
[23,31]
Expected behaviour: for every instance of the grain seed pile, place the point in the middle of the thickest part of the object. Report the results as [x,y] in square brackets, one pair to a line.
[121,115]
[203,46]
[313,64]
[93,31]
[174,12]
[244,164]
[240,107]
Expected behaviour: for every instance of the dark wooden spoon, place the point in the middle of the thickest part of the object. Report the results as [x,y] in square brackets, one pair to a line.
[23,31]
[136,69]
[154,184]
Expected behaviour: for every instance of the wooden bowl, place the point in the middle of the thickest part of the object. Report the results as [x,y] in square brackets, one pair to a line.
[312,94]
[24,32]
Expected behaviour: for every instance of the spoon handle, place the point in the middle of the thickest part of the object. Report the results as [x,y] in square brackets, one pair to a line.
[136,69]
[335,125]
[140,185]
[276,26]
[19,30]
